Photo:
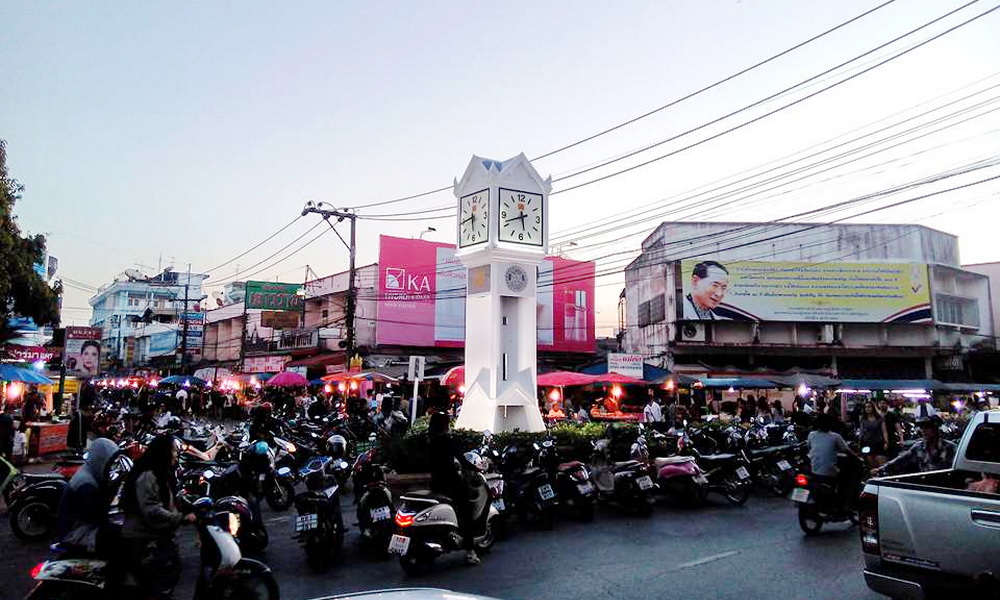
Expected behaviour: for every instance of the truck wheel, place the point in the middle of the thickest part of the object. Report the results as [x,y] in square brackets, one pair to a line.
[809,520]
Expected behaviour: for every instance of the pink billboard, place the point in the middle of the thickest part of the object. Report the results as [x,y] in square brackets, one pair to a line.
[421,298]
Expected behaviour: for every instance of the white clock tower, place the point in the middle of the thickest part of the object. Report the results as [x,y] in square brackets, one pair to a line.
[503,235]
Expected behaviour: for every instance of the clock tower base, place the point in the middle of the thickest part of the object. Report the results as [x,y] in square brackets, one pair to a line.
[513,411]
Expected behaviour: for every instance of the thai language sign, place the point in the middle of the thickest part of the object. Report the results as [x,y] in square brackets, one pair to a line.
[797,291]
[274,296]
[422,288]
[629,365]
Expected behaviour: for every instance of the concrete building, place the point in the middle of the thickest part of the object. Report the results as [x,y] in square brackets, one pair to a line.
[124,308]
[848,300]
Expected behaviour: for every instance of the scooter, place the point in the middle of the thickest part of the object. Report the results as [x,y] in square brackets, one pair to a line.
[820,502]
[223,572]
[691,476]
[530,491]
[319,525]
[576,491]
[225,485]
[376,511]
[427,526]
[625,483]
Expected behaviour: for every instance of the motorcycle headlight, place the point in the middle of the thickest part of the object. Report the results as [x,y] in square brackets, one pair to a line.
[234,524]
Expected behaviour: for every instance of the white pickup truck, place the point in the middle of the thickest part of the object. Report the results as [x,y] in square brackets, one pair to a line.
[927,535]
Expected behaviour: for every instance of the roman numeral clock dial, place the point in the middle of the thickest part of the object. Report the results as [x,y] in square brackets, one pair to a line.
[522,220]
[474,219]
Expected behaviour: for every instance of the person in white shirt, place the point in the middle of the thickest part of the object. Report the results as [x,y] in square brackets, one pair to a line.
[653,413]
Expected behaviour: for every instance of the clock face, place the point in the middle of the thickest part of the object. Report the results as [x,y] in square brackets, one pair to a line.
[474,219]
[522,220]
[516,278]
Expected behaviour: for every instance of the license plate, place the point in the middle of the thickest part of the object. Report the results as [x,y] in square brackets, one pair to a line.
[546,492]
[306,522]
[585,488]
[399,544]
[800,495]
[499,505]
[380,514]
[644,482]
[784,465]
[742,473]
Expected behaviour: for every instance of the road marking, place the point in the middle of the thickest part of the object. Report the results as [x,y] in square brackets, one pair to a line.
[707,559]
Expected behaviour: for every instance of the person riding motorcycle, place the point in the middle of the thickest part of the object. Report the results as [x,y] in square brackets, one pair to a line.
[448,463]
[83,511]
[931,453]
[824,446]
[257,460]
[151,517]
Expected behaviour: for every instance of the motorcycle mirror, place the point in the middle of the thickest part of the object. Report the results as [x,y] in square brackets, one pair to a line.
[208,474]
[866,450]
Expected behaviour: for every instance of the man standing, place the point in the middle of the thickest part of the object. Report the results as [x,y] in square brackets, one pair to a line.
[653,413]
[931,453]
[32,407]
[709,283]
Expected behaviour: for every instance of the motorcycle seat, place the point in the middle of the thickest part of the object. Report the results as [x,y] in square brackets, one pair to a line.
[721,457]
[566,466]
[39,477]
[663,461]
[626,464]
[764,452]
[427,496]
[492,476]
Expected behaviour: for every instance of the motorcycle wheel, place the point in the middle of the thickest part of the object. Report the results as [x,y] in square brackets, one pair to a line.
[781,485]
[736,492]
[280,495]
[32,521]
[585,511]
[253,542]
[416,564]
[643,506]
[544,518]
[488,540]
[809,520]
[247,587]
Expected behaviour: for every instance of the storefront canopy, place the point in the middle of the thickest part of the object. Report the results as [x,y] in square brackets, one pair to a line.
[650,373]
[743,383]
[888,384]
[11,373]
[564,378]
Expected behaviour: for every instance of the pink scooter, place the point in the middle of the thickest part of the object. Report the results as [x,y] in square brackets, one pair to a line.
[681,476]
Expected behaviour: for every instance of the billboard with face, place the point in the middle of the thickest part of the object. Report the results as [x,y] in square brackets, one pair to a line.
[421,298]
[794,291]
[83,351]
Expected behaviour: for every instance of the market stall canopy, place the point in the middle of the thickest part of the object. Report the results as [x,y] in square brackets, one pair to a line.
[811,380]
[367,376]
[740,383]
[188,380]
[9,372]
[679,379]
[887,384]
[616,378]
[966,387]
[287,379]
[564,378]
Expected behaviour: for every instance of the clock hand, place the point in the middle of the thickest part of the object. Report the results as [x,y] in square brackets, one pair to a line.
[472,218]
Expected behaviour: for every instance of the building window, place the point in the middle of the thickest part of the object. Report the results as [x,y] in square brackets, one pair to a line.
[325,314]
[953,310]
[652,311]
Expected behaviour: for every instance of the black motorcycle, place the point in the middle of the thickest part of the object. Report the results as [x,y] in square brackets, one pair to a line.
[573,484]
[373,498]
[223,572]
[531,491]
[319,525]
[226,484]
[824,500]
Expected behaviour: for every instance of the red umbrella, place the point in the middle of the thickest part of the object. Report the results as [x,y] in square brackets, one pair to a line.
[287,379]
[564,378]
[455,376]
[616,378]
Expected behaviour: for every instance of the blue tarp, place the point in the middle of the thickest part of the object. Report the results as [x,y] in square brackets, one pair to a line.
[11,373]
[888,384]
[649,372]
[739,382]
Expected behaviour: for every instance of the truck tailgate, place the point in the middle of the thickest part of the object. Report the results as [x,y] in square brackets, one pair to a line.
[952,531]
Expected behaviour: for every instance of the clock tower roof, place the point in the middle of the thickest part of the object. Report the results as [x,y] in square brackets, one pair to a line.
[484,172]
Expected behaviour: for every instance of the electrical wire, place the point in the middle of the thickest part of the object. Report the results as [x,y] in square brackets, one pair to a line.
[254,247]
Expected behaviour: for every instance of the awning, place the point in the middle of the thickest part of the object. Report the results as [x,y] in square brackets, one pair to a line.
[320,360]
[564,378]
[888,384]
[967,387]
[743,383]
[811,380]
[649,372]
[12,373]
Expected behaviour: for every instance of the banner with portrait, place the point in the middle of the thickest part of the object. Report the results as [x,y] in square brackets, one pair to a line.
[83,351]
[829,292]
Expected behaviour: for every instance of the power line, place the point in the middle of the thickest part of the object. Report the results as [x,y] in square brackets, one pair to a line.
[254,247]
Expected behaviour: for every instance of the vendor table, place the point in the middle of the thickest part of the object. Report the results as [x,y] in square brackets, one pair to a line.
[47,438]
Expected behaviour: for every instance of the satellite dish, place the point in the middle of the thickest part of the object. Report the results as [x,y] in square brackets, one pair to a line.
[134,274]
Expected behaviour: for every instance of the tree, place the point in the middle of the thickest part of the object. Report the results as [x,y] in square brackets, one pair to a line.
[22,291]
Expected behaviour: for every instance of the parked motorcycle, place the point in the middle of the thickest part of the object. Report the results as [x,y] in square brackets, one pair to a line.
[624,483]
[223,573]
[691,475]
[427,525]
[319,526]
[530,491]
[226,487]
[376,511]
[575,489]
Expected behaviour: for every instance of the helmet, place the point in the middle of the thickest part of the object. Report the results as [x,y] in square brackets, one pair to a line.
[477,461]
[264,410]
[336,446]
[258,456]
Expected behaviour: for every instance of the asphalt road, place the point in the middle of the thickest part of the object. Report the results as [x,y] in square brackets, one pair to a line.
[718,552]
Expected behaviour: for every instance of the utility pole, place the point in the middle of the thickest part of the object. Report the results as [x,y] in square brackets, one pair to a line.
[184,323]
[313,207]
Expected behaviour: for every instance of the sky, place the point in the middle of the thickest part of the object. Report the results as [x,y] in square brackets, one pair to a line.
[154,134]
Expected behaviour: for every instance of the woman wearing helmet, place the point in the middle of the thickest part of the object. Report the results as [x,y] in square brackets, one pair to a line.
[256,465]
